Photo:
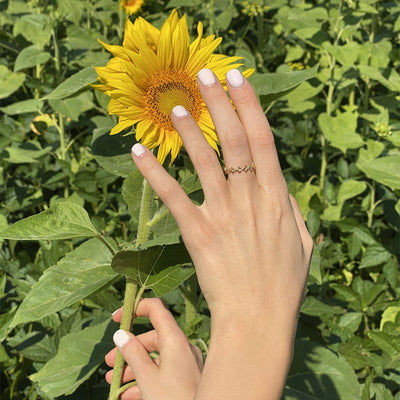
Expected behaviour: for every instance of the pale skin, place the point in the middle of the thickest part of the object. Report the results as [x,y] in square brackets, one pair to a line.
[250,247]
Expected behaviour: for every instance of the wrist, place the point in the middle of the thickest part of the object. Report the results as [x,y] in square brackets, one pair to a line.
[247,350]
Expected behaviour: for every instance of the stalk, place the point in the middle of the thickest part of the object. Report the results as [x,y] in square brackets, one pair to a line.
[133,291]
[144,215]
[126,324]
[190,295]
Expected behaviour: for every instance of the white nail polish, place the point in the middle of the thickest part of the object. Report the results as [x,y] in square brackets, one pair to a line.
[138,149]
[120,338]
[115,311]
[180,111]
[206,77]
[235,78]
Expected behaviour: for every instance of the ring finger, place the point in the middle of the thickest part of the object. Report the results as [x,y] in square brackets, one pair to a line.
[235,146]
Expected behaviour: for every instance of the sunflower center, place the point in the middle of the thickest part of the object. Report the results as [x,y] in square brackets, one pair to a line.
[130,3]
[168,89]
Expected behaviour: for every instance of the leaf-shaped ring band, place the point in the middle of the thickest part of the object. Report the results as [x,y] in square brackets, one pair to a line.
[247,168]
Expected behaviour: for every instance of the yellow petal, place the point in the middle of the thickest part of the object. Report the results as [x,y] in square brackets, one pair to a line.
[180,44]
[164,51]
[122,125]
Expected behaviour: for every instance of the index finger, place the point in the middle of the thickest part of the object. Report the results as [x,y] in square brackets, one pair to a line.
[160,317]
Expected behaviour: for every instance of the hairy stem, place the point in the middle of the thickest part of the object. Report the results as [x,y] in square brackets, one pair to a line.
[144,215]
[126,324]
[133,290]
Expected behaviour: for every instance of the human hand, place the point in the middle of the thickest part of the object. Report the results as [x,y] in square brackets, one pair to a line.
[248,242]
[174,375]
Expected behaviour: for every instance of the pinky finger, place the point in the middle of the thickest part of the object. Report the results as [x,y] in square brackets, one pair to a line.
[133,393]
[166,187]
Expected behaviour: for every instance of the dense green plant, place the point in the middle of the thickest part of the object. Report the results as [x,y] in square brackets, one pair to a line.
[74,209]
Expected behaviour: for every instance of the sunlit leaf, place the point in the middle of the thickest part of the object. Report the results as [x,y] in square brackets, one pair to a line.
[80,273]
[73,84]
[317,373]
[78,356]
[61,221]
[274,85]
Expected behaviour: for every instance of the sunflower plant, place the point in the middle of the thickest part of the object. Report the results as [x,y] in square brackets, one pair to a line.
[155,70]
[79,228]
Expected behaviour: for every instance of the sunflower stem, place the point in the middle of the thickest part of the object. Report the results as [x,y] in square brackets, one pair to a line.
[144,215]
[133,291]
[126,324]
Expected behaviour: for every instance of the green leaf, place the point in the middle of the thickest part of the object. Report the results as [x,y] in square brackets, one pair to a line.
[392,82]
[183,3]
[390,344]
[160,268]
[318,374]
[22,107]
[349,189]
[71,9]
[80,273]
[367,290]
[27,152]
[73,84]
[61,221]
[9,81]
[315,265]
[35,346]
[397,206]
[36,28]
[351,320]
[113,153]
[374,255]
[74,106]
[315,307]
[346,54]
[30,57]
[224,19]
[390,315]
[78,356]
[384,170]
[303,192]
[356,356]
[132,190]
[275,85]
[341,130]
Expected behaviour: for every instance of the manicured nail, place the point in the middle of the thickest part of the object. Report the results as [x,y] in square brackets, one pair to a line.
[235,78]
[138,149]
[115,311]
[207,77]
[180,111]
[120,338]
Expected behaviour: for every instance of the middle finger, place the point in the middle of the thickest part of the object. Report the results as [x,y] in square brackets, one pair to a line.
[232,135]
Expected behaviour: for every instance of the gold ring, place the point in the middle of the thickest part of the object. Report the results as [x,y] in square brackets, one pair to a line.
[247,168]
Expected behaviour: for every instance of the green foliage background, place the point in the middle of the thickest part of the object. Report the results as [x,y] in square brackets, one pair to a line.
[327,75]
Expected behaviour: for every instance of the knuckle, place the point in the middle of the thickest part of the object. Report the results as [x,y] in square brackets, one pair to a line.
[236,140]
[264,138]
[205,160]
[166,191]
[248,98]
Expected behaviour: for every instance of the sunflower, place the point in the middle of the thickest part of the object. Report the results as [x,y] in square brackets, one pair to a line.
[155,70]
[131,6]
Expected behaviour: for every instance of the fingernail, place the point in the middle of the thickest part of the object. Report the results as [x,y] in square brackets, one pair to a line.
[180,111]
[120,338]
[138,149]
[235,78]
[206,77]
[115,311]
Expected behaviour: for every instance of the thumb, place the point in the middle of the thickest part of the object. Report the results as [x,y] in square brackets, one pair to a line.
[136,356]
